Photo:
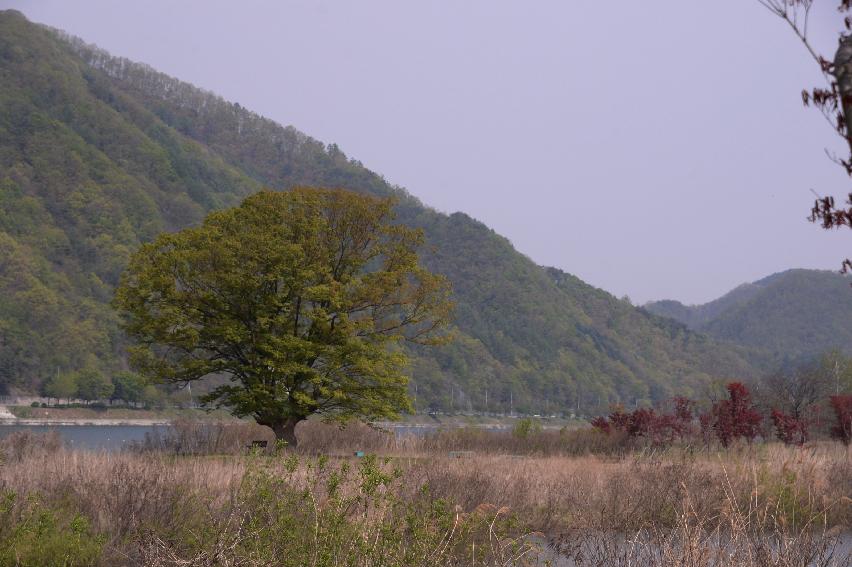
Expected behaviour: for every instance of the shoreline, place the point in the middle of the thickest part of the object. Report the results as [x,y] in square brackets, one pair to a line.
[8,418]
[151,422]
[84,421]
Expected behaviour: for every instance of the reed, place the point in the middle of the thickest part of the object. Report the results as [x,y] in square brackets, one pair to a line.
[759,505]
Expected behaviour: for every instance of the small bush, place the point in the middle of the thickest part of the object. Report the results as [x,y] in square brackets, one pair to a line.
[788,429]
[526,427]
[34,535]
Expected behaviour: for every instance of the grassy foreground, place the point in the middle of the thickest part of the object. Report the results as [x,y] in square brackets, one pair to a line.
[515,501]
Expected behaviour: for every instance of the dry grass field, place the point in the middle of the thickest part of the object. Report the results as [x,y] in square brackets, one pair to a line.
[195,497]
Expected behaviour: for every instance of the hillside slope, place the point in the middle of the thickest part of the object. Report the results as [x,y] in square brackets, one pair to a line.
[796,312]
[99,154]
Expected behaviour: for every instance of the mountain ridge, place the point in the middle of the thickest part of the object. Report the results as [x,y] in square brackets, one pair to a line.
[796,312]
[99,154]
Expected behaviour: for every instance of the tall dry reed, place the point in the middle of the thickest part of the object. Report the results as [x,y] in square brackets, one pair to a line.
[660,508]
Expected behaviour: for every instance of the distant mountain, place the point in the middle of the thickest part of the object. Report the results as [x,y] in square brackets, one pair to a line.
[791,313]
[695,316]
[99,154]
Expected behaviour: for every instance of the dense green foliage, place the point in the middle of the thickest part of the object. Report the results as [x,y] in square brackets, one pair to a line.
[296,297]
[35,535]
[81,185]
[792,313]
[98,155]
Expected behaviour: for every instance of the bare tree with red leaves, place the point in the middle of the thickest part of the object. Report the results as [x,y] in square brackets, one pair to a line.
[737,417]
[619,419]
[789,429]
[833,99]
[602,423]
[842,429]
[797,391]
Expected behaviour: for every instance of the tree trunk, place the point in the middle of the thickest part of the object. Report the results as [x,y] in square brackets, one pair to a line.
[285,430]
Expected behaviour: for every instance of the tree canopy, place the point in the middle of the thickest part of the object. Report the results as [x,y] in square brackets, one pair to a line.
[93,385]
[298,297]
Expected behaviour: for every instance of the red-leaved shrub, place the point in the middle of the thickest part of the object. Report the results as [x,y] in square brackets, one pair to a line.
[789,429]
[737,417]
[619,419]
[659,429]
[602,423]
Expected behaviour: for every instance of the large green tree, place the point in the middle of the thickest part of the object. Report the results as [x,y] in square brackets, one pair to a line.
[93,385]
[298,297]
[62,385]
[129,387]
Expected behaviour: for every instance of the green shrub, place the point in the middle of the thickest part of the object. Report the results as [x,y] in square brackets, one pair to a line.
[526,427]
[339,516]
[32,534]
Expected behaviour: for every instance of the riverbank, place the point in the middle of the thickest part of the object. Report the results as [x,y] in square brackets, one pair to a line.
[106,415]
[60,419]
[27,415]
[85,422]
[64,418]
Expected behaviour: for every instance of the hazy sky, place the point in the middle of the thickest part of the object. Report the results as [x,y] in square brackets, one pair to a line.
[657,149]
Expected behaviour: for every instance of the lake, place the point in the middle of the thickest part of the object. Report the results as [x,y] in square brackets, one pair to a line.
[116,437]
[90,437]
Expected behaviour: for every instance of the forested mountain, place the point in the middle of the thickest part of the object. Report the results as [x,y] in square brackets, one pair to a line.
[791,313]
[99,154]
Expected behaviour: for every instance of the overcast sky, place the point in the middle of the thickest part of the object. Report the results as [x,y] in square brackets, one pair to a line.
[656,149]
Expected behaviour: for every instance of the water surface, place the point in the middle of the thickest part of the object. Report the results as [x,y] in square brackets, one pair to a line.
[90,437]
